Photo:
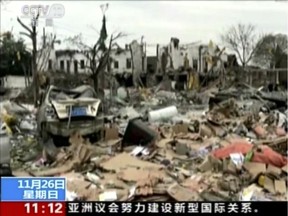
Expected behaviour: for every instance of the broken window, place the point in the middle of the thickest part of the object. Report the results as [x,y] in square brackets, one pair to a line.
[175,42]
[206,67]
[62,65]
[128,63]
[150,68]
[116,64]
[195,64]
[143,63]
[68,66]
[64,94]
[82,64]
[57,94]
[75,66]
[50,64]
[88,93]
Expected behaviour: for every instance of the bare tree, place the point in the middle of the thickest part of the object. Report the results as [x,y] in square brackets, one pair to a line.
[242,39]
[98,55]
[32,34]
[271,50]
[43,54]
[98,59]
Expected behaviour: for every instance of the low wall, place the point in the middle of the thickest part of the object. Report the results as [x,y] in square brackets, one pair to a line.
[14,82]
[260,77]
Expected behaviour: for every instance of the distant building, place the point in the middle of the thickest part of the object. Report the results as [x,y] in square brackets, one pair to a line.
[151,64]
[71,61]
[196,56]
[121,60]
[75,61]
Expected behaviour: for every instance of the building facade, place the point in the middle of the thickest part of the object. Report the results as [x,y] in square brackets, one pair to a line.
[194,55]
[121,60]
[125,60]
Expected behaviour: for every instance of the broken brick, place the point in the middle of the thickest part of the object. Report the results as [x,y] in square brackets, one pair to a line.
[180,193]
[280,131]
[260,131]
[280,186]
[285,169]
[273,170]
[255,169]
[269,185]
[180,128]
[111,133]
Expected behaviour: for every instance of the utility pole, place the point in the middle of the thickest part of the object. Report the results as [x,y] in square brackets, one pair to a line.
[104,8]
[44,38]
[34,61]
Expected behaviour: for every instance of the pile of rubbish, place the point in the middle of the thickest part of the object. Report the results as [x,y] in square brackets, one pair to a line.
[229,147]
[60,79]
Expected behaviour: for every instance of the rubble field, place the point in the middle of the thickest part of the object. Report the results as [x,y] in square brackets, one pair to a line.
[157,145]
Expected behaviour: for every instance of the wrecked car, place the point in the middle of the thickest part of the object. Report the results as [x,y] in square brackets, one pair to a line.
[65,111]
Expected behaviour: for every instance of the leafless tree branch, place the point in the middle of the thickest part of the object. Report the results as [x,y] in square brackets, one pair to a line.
[242,39]
[26,34]
[24,26]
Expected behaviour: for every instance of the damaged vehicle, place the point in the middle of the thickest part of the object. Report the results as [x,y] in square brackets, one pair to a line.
[64,111]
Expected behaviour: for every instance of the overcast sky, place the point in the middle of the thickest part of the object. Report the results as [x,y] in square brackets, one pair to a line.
[157,21]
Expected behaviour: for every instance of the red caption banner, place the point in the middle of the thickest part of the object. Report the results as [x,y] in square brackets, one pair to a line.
[33,208]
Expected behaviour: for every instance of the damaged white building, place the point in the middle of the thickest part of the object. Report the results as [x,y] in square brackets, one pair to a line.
[130,63]
[196,56]
[129,60]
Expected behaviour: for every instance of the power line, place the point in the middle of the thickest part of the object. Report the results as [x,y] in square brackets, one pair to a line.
[75,31]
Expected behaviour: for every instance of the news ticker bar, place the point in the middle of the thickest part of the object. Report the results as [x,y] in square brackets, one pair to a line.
[183,208]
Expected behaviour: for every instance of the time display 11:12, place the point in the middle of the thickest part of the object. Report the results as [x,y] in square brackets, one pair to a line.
[44,208]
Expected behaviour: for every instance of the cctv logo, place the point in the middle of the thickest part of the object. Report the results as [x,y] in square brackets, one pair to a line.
[44,11]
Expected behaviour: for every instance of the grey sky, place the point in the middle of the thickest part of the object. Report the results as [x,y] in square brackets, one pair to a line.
[157,21]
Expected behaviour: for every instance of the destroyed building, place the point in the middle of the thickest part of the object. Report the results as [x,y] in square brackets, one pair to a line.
[129,62]
[130,65]
[125,61]
[70,61]
[179,60]
[196,53]
[216,144]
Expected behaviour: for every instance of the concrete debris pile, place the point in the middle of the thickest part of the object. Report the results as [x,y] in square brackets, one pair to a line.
[234,149]
[19,122]
[62,80]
